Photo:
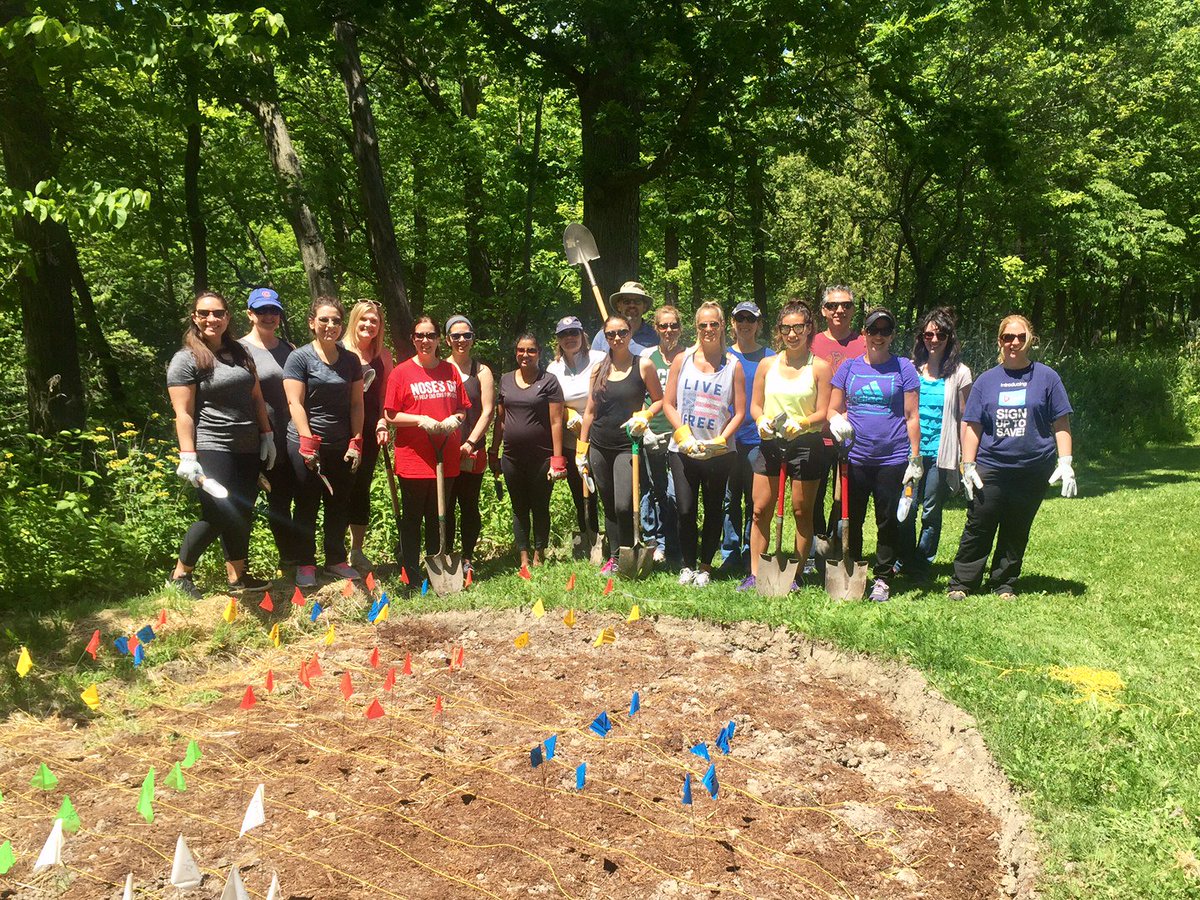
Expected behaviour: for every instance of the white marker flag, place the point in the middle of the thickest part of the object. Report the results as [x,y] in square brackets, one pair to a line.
[184,872]
[51,854]
[234,889]
[127,894]
[274,889]
[255,815]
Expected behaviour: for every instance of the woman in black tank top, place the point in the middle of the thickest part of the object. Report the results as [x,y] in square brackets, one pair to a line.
[478,383]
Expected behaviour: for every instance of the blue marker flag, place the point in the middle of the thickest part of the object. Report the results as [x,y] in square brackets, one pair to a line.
[634,704]
[551,743]
[535,757]
[710,780]
[424,587]
[122,644]
[723,740]
[373,612]
[316,611]
[601,725]
[146,635]
[139,654]
[731,728]
[687,790]
[580,776]
[701,750]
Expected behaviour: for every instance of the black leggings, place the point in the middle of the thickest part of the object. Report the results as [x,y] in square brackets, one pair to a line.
[530,492]
[692,478]
[884,484]
[821,524]
[418,503]
[465,498]
[280,517]
[586,514]
[359,504]
[311,493]
[612,470]
[230,519]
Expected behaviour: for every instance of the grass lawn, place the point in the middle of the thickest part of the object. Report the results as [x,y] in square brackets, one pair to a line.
[1113,785]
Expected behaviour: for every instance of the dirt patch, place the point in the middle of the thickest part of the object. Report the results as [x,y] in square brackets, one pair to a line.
[845,778]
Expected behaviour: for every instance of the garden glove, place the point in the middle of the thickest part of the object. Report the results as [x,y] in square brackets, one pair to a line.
[971,480]
[368,378]
[916,468]
[1064,472]
[793,429]
[558,468]
[310,448]
[354,453]
[574,421]
[636,424]
[449,424]
[189,468]
[581,460]
[840,428]
[650,440]
[684,440]
[428,424]
[266,449]
[766,428]
[382,436]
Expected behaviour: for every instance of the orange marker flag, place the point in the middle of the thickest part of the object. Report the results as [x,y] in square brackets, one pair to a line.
[407,670]
[458,657]
[608,588]
[521,640]
[347,686]
[437,706]
[389,680]
[162,618]
[524,573]
[470,577]
[375,658]
[133,643]
[270,681]
[571,582]
[314,667]
[375,710]
[304,674]
[248,698]
[403,575]
[569,618]
[266,603]
[369,581]
[348,589]
[298,598]
[94,644]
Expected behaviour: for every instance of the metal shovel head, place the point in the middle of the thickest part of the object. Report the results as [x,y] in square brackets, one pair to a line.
[445,572]
[579,244]
[588,545]
[635,562]
[776,572]
[846,579]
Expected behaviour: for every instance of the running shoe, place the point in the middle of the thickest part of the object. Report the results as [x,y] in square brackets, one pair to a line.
[701,579]
[880,593]
[686,575]
[249,584]
[747,584]
[185,586]
[609,568]
[1006,594]
[810,566]
[956,595]
[306,576]
[343,570]
[660,555]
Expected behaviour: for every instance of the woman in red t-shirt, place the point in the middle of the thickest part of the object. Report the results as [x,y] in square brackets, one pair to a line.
[427,403]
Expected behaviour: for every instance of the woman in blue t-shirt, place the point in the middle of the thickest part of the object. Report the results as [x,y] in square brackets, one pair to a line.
[875,401]
[1017,437]
[945,385]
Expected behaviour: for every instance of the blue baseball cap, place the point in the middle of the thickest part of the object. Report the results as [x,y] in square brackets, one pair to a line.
[262,297]
[747,306]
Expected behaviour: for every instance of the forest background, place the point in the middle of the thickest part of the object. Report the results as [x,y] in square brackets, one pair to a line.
[1040,156]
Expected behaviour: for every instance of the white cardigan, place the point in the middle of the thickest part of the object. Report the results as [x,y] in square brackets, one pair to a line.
[949,449]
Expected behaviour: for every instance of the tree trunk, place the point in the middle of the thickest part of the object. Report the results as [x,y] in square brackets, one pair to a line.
[197,230]
[381,229]
[758,242]
[671,257]
[699,250]
[416,273]
[286,163]
[531,188]
[477,259]
[96,336]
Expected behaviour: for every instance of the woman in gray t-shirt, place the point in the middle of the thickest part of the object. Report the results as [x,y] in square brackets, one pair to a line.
[224,434]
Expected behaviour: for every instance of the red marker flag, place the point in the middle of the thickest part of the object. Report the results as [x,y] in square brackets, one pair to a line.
[304,674]
[162,618]
[248,698]
[94,644]
[375,658]
[347,589]
[270,681]
[470,577]
[458,658]
[298,598]
[389,680]
[524,573]
[347,686]
[369,581]
[267,603]
[407,670]
[375,710]
[437,706]
[571,582]
[314,667]
[133,643]
[608,588]
[403,575]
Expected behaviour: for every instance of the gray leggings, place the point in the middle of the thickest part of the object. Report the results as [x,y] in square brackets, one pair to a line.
[612,471]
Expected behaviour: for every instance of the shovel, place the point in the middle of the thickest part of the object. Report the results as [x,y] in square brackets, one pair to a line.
[845,578]
[445,569]
[587,544]
[777,573]
[391,475]
[635,561]
[581,250]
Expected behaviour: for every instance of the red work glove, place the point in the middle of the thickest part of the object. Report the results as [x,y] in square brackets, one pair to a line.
[310,447]
[354,453]
[558,468]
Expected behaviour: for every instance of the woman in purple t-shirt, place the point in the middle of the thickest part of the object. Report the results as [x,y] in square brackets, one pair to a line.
[874,401]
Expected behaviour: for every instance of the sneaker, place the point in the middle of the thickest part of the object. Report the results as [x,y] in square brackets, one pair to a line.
[306,576]
[360,562]
[956,595]
[880,593]
[686,575]
[810,566]
[660,555]
[701,580]
[609,568]
[343,570]
[747,584]
[1006,594]
[248,584]
[797,585]
[185,586]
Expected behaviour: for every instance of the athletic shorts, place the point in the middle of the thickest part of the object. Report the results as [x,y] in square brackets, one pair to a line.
[807,458]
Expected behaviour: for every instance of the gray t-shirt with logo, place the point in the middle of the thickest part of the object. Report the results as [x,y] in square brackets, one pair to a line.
[224,412]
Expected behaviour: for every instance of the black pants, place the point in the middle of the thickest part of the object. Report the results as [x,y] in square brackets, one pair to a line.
[229,519]
[359,503]
[530,492]
[586,513]
[418,504]
[821,524]
[464,500]
[280,517]
[883,484]
[311,494]
[612,470]
[1007,503]
[694,477]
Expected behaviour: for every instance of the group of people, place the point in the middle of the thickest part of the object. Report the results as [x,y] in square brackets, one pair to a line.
[715,428]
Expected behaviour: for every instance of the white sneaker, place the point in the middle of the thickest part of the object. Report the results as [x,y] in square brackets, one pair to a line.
[686,575]
[660,555]
[701,580]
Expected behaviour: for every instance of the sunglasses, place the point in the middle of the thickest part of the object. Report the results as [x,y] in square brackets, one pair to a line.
[570,333]
[744,318]
[708,326]
[1009,338]
[374,303]
[528,351]
[886,331]
[839,304]
[425,335]
[330,320]
[794,329]
[617,334]
[211,313]
[668,326]
[463,336]
[937,333]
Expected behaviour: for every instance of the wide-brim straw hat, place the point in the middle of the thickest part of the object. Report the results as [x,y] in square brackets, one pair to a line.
[632,290]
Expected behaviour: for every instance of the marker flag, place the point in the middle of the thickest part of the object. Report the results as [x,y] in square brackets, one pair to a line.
[51,854]
[266,603]
[634,614]
[437,706]
[255,815]
[687,790]
[375,710]
[606,636]
[270,681]
[369,581]
[535,757]
[7,858]
[701,750]
[175,779]
[403,575]
[383,612]
[316,611]
[347,686]
[274,889]
[570,583]
[44,779]
[330,636]
[580,776]
[424,587]
[710,780]
[551,744]
[162,617]
[139,655]
[539,608]
[373,659]
[24,663]
[600,725]
[373,612]
[93,646]
[145,634]
[122,645]
[248,698]
[230,611]
[458,657]
[724,735]
[133,643]
[275,635]
[524,573]
[521,640]
[192,755]
[127,894]
[314,667]
[348,589]
[298,598]
[69,817]
[145,804]
[389,680]
[234,889]
[608,588]
[303,677]
[469,580]
[91,696]
[635,703]
[569,618]
[407,670]
[184,872]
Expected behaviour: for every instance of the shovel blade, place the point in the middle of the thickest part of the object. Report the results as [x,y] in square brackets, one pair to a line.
[579,245]
[775,575]
[582,544]
[846,579]
[445,573]
[634,562]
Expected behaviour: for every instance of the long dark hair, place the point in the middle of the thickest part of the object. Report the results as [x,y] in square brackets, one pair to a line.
[945,319]
[193,340]
[604,367]
[794,308]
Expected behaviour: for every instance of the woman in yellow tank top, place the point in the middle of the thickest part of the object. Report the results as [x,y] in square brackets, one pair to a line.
[796,385]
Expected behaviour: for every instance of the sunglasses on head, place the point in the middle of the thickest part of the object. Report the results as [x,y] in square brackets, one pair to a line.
[617,333]
[1009,338]
[210,313]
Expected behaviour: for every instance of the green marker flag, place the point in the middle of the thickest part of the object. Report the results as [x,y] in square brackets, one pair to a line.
[193,755]
[7,857]
[175,780]
[44,778]
[70,818]
[145,804]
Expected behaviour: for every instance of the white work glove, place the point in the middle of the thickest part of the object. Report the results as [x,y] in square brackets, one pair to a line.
[636,424]
[429,424]
[266,449]
[449,424]
[840,428]
[650,440]
[581,460]
[574,422]
[766,430]
[791,429]
[189,468]
[368,377]
[1065,473]
[971,480]
[916,468]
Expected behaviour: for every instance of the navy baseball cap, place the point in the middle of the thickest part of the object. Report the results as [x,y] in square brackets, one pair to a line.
[262,297]
[747,307]
[568,323]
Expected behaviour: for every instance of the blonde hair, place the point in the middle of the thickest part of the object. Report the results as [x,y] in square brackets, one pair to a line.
[1030,340]
[706,306]
[357,311]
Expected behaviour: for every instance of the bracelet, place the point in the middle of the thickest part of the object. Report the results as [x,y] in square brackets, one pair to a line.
[470,443]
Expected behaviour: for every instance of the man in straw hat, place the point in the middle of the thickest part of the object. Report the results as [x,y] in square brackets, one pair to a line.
[631,301]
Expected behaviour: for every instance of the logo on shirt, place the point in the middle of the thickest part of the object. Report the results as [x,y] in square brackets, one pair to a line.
[872,395]
[429,390]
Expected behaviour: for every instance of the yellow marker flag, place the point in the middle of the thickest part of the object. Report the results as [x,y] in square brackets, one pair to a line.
[24,662]
[230,611]
[91,696]
[606,636]
[634,614]
[522,639]
[275,634]
[329,636]
[383,613]
[569,618]
[539,608]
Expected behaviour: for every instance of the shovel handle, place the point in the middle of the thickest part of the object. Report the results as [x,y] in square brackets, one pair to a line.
[637,483]
[779,507]
[844,471]
[587,267]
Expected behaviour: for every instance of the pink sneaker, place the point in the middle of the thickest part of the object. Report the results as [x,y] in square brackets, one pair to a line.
[306,576]
[609,568]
